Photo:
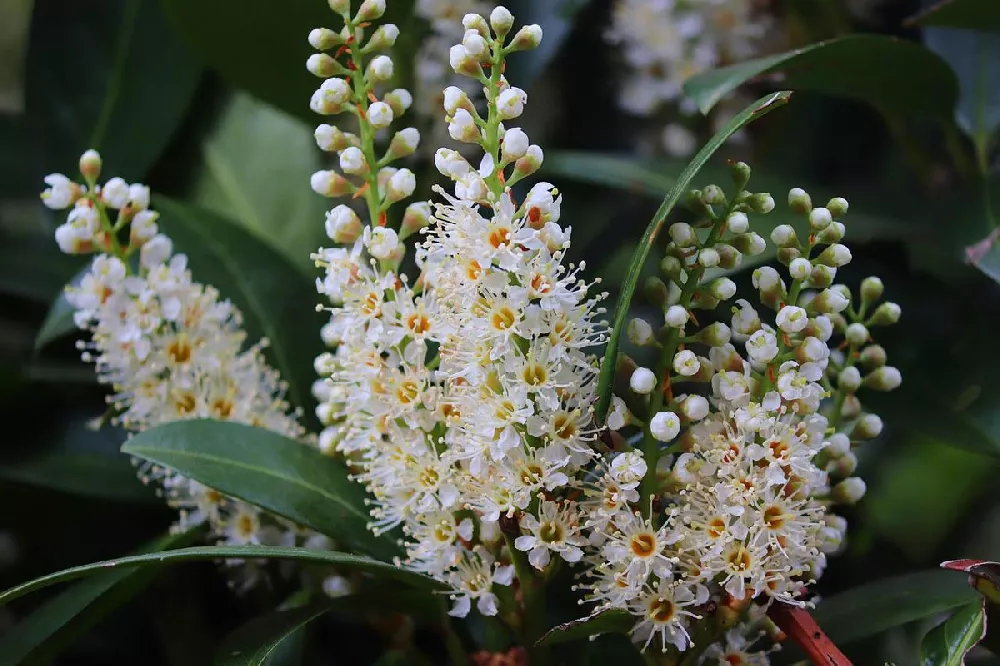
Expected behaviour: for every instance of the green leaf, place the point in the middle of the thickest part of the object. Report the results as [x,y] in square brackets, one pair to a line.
[200,553]
[58,320]
[984,576]
[254,642]
[256,168]
[892,74]
[33,268]
[871,609]
[757,109]
[970,14]
[556,18]
[107,75]
[948,643]
[276,298]
[264,468]
[611,620]
[64,619]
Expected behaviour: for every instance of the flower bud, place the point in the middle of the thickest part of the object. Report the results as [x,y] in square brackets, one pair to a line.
[713,195]
[716,334]
[885,314]
[873,356]
[835,255]
[849,491]
[708,257]
[822,276]
[722,288]
[322,65]
[750,244]
[464,63]
[664,426]
[869,426]
[330,138]
[342,7]
[671,267]
[343,225]
[330,184]
[640,332]
[849,379]
[527,38]
[330,97]
[686,363]
[820,328]
[400,100]
[380,69]
[843,466]
[115,193]
[819,219]
[800,268]
[642,381]
[832,234]
[352,161]
[799,201]
[510,103]
[515,144]
[683,235]
[738,223]
[740,173]
[694,408]
[791,319]
[766,279]
[856,335]
[884,378]
[156,251]
[401,185]
[530,163]
[471,187]
[383,38]
[403,143]
[416,217]
[729,257]
[851,407]
[143,227]
[760,203]
[871,290]
[90,166]
[324,39]
[454,99]
[380,115]
[786,255]
[676,316]
[837,207]
[655,291]
[382,242]
[475,45]
[837,445]
[370,10]
[501,21]
[783,235]
[476,22]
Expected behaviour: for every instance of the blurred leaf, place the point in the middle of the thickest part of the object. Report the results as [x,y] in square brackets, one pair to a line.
[13,42]
[254,642]
[892,74]
[616,649]
[64,619]
[276,298]
[201,553]
[556,18]
[33,268]
[752,112]
[58,320]
[281,475]
[612,620]
[273,68]
[971,14]
[871,609]
[257,165]
[948,643]
[106,75]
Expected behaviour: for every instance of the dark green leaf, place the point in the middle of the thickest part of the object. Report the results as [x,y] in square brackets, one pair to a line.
[254,642]
[264,468]
[757,109]
[970,14]
[871,609]
[108,75]
[33,268]
[199,553]
[276,298]
[948,643]
[556,18]
[59,622]
[892,74]
[612,620]
[270,197]
[984,576]
[58,320]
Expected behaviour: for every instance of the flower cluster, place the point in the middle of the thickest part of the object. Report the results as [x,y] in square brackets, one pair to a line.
[170,348]
[665,42]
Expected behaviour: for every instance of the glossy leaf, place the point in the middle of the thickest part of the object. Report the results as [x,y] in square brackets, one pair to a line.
[253,643]
[556,18]
[948,643]
[102,75]
[59,622]
[269,470]
[271,196]
[872,608]
[892,74]
[751,113]
[984,576]
[969,14]
[611,620]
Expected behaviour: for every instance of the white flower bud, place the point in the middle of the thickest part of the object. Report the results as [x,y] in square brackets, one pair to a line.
[322,65]
[640,332]
[383,37]
[156,251]
[694,408]
[642,381]
[849,379]
[463,62]
[330,97]
[530,163]
[352,161]
[800,268]
[885,378]
[475,45]
[401,185]
[476,22]
[822,327]
[767,280]
[791,319]
[399,99]
[868,426]
[886,314]
[686,363]
[751,244]
[664,426]
[820,219]
[784,235]
[844,465]
[515,144]
[90,166]
[708,257]
[510,103]
[738,223]
[849,491]
[138,196]
[329,184]
[813,350]
[343,225]
[143,227]
[832,234]
[618,418]
[380,115]
[323,39]
[451,163]
[463,127]
[871,289]
[715,334]
[115,193]
[382,242]
[370,10]
[404,143]
[837,206]
[856,334]
[830,301]
[330,138]
[342,7]
[836,255]
[528,37]
[676,316]
[380,68]
[454,99]
[683,235]
[722,288]
[471,187]
[837,445]
[799,200]
[501,21]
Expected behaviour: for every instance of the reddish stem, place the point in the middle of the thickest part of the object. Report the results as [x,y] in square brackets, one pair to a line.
[799,624]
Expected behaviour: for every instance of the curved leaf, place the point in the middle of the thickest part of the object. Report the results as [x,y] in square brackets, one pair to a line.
[970,14]
[101,75]
[610,620]
[198,553]
[757,109]
[871,609]
[266,469]
[64,619]
[255,641]
[892,74]
[58,320]
[948,643]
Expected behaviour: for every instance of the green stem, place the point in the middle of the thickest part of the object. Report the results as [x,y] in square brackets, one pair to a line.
[533,596]
[111,231]
[491,144]
[361,91]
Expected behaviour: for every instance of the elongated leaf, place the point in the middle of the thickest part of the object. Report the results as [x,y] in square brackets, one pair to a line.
[892,74]
[254,642]
[58,320]
[871,609]
[264,468]
[108,75]
[59,622]
[969,14]
[948,643]
[612,620]
[757,109]
[200,553]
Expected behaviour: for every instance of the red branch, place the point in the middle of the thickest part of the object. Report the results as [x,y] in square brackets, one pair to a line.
[798,623]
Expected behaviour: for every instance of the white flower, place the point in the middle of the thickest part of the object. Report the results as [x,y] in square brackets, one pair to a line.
[556,530]
[115,193]
[463,127]
[60,193]
[676,316]
[156,251]
[510,103]
[762,346]
[380,115]
[382,242]
[664,426]
[678,140]
[686,363]
[791,319]
[642,381]
[800,268]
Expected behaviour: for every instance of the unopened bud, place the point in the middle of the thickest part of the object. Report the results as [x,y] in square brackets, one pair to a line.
[383,38]
[869,426]
[849,379]
[856,334]
[738,223]
[871,290]
[370,10]
[400,100]
[822,276]
[819,219]
[715,335]
[873,356]
[330,184]
[352,161]
[783,235]
[676,316]
[884,378]
[343,225]
[835,255]
[729,256]
[530,163]
[90,166]
[851,407]
[342,7]
[849,491]
[454,99]
[642,381]
[837,206]
[330,138]
[324,39]
[683,235]
[655,290]
[829,300]
[664,426]
[740,172]
[800,268]
[403,143]
[722,288]
[671,267]
[640,332]
[464,63]
[760,203]
[708,257]
[416,217]
[380,115]
[885,314]
[380,68]
[832,234]
[799,201]
[501,21]
[750,244]
[528,37]
[401,185]
[694,408]
[713,195]
[476,22]
[322,65]
[837,445]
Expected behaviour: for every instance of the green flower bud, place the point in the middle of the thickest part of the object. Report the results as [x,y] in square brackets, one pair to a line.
[799,201]
[740,172]
[871,290]
[885,314]
[655,290]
